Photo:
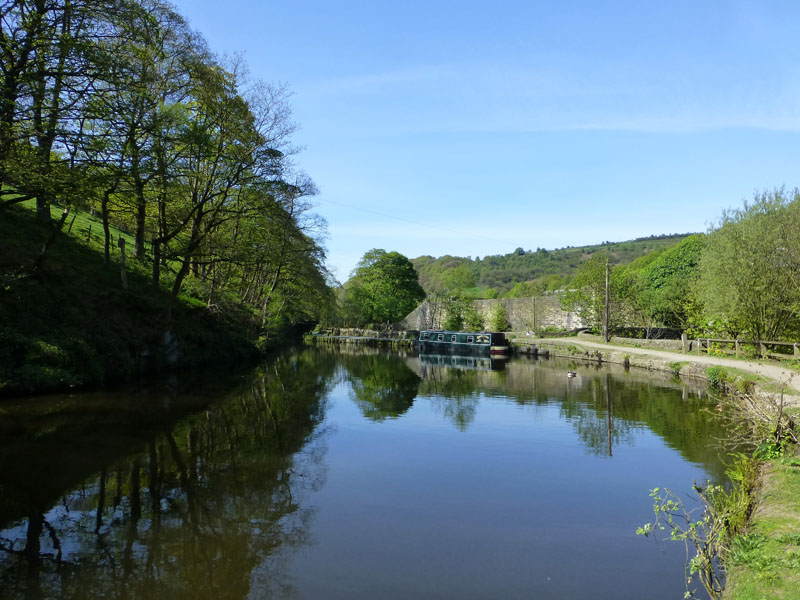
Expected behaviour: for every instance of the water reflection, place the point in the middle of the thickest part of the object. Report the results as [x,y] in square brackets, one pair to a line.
[605,406]
[383,387]
[195,511]
[212,489]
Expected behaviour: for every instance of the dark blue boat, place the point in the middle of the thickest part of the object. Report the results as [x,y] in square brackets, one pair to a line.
[463,342]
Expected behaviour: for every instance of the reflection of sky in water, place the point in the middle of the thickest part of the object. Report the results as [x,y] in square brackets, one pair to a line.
[331,476]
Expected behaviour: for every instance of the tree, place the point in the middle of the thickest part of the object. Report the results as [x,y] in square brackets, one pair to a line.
[498,318]
[588,295]
[667,284]
[748,280]
[384,287]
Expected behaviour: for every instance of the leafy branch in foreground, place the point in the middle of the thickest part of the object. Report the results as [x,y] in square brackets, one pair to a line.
[723,514]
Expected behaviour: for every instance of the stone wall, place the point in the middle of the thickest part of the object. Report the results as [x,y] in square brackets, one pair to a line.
[524,314]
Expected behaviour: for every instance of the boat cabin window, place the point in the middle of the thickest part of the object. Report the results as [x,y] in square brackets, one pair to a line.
[470,339]
[441,337]
[452,338]
[425,336]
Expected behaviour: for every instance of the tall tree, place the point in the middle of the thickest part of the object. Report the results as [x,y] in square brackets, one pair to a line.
[384,287]
[746,279]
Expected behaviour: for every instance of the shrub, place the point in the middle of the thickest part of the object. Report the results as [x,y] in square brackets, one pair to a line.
[718,376]
[498,319]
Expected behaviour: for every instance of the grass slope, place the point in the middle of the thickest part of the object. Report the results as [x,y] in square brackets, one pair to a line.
[765,563]
[72,325]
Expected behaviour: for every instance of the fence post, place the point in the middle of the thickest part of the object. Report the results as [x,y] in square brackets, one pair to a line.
[763,348]
[121,244]
[684,343]
[796,349]
[738,347]
[699,347]
[708,346]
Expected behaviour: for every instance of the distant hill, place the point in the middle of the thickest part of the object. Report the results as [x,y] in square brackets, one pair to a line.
[497,275]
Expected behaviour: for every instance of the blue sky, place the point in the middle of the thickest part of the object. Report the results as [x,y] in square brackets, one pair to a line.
[474,128]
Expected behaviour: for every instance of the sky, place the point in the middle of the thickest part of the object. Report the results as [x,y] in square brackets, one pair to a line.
[474,128]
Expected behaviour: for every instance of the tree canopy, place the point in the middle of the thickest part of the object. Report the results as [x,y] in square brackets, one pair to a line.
[117,107]
[748,271]
[383,288]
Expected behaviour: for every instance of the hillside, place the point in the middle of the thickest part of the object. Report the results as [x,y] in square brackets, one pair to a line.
[70,324]
[547,269]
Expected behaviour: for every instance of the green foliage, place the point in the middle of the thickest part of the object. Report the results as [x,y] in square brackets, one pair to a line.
[665,285]
[498,318]
[453,321]
[718,376]
[724,516]
[384,288]
[589,294]
[134,119]
[542,269]
[72,325]
[771,449]
[677,366]
[471,319]
[748,271]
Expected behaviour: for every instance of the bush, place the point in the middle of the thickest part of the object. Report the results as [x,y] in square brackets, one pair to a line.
[498,318]
[718,376]
[472,320]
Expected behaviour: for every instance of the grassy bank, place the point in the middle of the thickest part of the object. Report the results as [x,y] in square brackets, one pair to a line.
[71,324]
[765,562]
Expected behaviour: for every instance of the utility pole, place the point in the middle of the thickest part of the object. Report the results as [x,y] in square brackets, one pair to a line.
[605,325]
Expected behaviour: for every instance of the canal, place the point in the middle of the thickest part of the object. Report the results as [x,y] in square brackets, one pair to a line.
[360,474]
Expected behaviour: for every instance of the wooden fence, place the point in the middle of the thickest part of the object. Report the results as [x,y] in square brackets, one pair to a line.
[763,349]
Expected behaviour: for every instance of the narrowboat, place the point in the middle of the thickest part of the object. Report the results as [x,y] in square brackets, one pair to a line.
[460,342]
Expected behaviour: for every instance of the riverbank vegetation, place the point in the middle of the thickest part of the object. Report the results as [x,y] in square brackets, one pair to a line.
[175,166]
[744,542]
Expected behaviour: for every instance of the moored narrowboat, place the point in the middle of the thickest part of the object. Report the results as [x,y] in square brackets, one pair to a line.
[481,342]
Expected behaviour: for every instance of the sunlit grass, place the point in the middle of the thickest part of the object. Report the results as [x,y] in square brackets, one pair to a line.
[765,563]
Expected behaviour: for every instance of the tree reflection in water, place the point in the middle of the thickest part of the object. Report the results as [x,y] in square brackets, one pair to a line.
[383,387]
[201,510]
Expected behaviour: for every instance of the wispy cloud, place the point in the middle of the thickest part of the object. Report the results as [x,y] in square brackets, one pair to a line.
[546,93]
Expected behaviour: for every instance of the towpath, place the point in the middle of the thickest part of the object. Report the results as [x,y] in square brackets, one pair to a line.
[777,373]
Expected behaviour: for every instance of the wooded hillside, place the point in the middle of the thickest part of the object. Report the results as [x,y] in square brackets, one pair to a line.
[526,272]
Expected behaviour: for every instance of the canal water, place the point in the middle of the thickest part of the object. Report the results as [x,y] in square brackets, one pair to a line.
[353,475]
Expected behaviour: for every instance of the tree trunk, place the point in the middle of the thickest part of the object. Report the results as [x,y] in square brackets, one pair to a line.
[49,242]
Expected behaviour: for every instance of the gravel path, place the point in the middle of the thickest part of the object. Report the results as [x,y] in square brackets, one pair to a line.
[777,373]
